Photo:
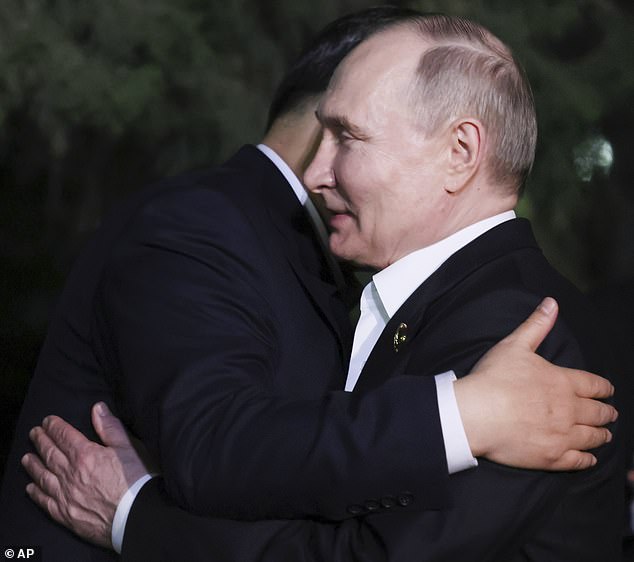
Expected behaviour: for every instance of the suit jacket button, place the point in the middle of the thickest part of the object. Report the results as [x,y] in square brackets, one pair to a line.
[356,510]
[372,505]
[405,499]
[388,502]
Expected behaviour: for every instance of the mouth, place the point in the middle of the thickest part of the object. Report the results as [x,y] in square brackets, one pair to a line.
[338,212]
[339,217]
[337,208]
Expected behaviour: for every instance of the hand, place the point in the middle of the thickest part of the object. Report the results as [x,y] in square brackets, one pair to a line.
[79,482]
[520,410]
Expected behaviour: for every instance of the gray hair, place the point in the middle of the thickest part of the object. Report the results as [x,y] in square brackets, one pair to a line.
[468,71]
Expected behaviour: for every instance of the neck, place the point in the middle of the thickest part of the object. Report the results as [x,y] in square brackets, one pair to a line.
[478,201]
[457,215]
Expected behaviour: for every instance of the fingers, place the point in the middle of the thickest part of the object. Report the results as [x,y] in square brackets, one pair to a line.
[588,385]
[46,502]
[580,438]
[536,327]
[585,437]
[109,427]
[52,456]
[594,413]
[45,480]
[575,460]
[65,436]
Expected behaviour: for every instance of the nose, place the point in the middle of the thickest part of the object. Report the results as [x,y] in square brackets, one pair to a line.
[320,174]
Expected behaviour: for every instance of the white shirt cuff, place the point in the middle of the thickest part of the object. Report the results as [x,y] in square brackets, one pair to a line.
[457,448]
[123,510]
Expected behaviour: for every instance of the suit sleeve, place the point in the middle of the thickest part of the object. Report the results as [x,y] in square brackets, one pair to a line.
[186,329]
[159,530]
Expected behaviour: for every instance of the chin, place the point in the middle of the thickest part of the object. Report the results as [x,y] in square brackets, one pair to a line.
[343,250]
[355,259]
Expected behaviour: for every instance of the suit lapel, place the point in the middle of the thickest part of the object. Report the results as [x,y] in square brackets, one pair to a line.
[385,361]
[295,237]
[306,258]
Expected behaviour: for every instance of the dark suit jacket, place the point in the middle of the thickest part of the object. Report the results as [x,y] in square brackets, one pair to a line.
[497,513]
[203,313]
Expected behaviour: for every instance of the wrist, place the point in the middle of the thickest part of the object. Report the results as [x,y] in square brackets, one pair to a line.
[473,416]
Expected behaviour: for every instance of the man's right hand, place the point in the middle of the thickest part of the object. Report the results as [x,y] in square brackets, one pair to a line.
[79,483]
[520,410]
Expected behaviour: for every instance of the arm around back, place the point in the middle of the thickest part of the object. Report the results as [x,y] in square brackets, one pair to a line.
[190,333]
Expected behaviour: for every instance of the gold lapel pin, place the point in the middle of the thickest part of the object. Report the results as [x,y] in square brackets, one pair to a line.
[400,336]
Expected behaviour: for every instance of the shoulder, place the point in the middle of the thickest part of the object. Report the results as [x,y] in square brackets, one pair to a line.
[488,304]
[190,227]
[216,205]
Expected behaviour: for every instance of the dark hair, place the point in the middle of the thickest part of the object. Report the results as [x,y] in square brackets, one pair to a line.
[309,75]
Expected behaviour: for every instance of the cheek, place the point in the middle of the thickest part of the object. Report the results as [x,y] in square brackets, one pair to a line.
[349,237]
[365,184]
[357,170]
[384,224]
[394,218]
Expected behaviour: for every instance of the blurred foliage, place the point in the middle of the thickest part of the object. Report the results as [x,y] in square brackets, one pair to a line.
[99,98]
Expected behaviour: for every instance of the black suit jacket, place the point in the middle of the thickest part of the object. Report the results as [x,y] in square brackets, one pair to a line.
[203,313]
[497,513]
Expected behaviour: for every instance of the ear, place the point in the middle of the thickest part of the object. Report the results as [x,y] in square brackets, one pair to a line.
[466,152]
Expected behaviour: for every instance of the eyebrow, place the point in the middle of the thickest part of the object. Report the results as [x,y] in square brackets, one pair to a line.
[339,123]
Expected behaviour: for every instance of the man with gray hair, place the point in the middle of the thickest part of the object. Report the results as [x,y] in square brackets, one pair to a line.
[429,135]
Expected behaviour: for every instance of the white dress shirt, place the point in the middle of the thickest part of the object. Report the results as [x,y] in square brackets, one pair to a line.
[456,444]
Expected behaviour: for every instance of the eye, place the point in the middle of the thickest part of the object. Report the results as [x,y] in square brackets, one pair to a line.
[345,137]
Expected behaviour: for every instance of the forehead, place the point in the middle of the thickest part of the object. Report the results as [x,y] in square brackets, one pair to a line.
[380,67]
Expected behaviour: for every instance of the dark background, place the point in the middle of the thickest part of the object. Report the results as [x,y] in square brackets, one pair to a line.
[98,98]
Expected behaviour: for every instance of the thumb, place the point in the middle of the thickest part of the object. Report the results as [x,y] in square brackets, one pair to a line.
[536,327]
[109,428]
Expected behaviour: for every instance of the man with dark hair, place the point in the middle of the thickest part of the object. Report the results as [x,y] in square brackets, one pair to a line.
[209,307]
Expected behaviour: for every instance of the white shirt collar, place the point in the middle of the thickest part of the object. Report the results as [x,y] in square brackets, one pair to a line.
[283,167]
[397,282]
